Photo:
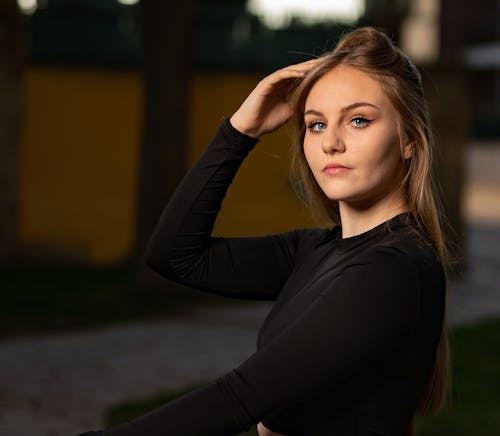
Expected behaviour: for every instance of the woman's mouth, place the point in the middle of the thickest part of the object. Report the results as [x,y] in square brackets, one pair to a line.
[334,168]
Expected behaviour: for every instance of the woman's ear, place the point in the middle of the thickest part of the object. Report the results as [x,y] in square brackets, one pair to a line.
[408,151]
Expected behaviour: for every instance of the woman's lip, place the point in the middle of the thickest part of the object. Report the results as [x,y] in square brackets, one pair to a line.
[335,169]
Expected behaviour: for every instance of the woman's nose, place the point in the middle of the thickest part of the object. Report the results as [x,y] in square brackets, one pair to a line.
[332,143]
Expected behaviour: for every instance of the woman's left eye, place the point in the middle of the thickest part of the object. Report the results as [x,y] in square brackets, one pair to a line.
[360,122]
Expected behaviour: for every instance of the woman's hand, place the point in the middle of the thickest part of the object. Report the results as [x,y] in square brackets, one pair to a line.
[267,107]
[264,431]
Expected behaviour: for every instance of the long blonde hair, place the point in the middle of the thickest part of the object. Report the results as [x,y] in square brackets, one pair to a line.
[371,51]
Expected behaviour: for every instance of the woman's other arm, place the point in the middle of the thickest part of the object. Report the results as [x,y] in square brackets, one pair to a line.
[371,310]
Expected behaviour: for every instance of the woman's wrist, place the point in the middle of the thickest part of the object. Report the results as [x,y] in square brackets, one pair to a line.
[240,126]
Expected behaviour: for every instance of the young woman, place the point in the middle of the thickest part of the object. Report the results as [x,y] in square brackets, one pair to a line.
[355,343]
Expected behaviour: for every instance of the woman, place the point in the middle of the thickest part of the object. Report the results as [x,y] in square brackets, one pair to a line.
[355,343]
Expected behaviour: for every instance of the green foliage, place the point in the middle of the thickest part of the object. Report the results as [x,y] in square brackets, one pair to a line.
[474,407]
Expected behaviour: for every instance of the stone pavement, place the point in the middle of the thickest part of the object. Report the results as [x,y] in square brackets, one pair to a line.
[59,385]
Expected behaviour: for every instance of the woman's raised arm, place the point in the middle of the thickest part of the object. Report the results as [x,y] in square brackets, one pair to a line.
[182,247]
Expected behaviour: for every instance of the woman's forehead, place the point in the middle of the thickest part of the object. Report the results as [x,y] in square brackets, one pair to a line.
[344,85]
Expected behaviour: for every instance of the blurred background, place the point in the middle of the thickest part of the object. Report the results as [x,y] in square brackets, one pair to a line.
[104,106]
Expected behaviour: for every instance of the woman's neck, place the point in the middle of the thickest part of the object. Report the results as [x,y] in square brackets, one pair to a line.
[357,218]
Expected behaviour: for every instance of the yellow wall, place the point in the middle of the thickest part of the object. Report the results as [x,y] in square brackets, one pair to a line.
[80,130]
[79,149]
[260,199]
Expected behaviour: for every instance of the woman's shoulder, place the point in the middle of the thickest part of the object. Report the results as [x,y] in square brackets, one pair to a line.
[406,246]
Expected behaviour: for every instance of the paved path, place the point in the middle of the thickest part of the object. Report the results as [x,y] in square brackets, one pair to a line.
[59,385]
[477,295]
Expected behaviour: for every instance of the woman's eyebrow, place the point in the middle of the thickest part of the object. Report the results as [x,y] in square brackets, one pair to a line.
[358,104]
[344,109]
[313,112]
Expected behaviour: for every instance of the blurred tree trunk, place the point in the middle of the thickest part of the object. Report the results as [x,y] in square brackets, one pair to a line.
[10,83]
[166,78]
[446,88]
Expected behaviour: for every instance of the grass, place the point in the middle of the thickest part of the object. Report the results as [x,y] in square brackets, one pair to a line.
[126,411]
[474,408]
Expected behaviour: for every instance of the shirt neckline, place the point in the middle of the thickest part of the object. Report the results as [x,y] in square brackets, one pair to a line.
[383,228]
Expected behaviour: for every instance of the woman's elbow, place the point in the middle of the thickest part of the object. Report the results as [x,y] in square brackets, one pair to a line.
[159,261]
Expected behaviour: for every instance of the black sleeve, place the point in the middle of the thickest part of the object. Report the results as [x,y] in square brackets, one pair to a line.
[182,249]
[365,313]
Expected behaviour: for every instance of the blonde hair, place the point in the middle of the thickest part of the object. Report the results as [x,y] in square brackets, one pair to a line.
[371,51]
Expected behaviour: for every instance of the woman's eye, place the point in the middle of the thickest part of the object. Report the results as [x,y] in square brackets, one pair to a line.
[316,127]
[360,122]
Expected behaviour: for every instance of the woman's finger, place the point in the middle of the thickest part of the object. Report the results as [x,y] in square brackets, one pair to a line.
[291,71]
[304,66]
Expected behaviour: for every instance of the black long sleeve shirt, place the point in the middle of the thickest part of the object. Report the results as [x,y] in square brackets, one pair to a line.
[350,341]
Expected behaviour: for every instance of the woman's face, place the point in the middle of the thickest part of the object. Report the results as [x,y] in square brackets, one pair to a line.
[351,142]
